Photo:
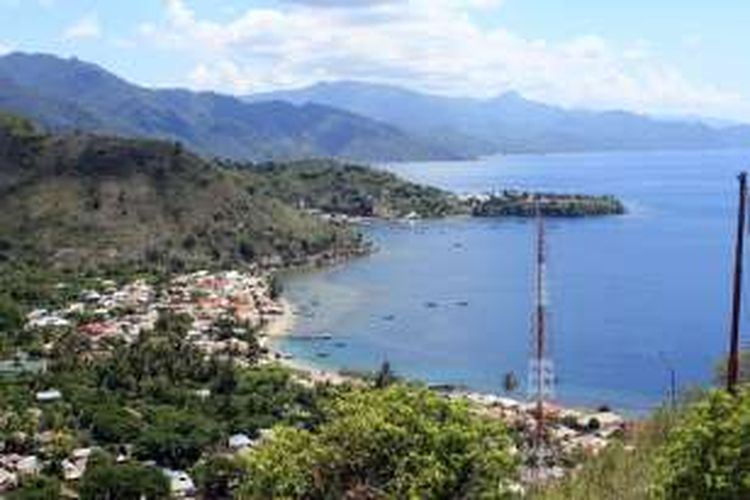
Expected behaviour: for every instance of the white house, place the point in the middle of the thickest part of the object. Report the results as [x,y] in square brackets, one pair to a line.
[239,442]
[180,483]
[48,396]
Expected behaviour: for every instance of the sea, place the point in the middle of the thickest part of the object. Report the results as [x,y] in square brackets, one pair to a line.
[632,299]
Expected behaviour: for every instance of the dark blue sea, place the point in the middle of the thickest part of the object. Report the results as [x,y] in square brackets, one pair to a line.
[630,297]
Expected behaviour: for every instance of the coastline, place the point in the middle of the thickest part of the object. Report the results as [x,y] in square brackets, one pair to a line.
[281,326]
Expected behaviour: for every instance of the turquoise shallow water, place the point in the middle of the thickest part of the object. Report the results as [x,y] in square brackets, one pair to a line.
[449,301]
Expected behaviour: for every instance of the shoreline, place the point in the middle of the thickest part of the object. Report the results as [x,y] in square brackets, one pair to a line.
[282,326]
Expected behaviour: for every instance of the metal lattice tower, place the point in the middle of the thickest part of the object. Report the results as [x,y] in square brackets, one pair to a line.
[541,376]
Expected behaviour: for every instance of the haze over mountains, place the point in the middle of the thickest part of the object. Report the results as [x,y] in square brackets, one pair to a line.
[71,94]
[510,123]
[352,120]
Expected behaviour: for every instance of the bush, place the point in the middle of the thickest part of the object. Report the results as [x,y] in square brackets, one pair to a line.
[105,479]
[37,488]
[400,442]
[707,455]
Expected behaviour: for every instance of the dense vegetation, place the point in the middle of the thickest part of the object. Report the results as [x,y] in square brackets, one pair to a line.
[522,204]
[700,451]
[146,397]
[163,402]
[87,201]
[397,442]
[354,190]
[707,454]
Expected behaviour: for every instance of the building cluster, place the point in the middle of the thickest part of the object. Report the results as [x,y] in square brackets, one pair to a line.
[110,312]
[568,432]
[240,302]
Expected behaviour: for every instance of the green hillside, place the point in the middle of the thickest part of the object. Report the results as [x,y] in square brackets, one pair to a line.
[353,190]
[82,201]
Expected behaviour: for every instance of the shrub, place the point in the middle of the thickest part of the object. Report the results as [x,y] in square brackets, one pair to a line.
[707,454]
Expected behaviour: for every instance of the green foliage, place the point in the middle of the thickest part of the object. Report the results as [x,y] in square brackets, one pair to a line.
[175,438]
[262,397]
[218,476]
[88,203]
[403,442]
[114,424]
[11,316]
[16,125]
[707,454]
[37,488]
[511,203]
[106,479]
[352,190]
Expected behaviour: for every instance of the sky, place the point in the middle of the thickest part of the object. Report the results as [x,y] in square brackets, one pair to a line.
[662,57]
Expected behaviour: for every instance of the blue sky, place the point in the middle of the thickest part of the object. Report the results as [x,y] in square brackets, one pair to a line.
[660,57]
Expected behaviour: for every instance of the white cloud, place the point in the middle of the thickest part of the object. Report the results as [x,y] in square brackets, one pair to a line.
[434,45]
[87,27]
[5,49]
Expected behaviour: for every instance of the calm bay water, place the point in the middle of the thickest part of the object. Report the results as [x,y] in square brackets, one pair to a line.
[450,301]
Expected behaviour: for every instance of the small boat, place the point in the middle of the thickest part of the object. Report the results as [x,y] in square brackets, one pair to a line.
[323,354]
[389,317]
[430,305]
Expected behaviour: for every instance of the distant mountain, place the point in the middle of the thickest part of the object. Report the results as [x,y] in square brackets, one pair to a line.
[510,123]
[71,94]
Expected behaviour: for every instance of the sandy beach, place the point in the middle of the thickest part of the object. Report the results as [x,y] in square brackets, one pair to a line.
[283,325]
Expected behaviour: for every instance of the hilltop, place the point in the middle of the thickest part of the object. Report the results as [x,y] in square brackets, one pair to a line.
[69,94]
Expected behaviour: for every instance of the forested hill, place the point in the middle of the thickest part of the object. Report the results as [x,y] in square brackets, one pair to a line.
[84,200]
[69,94]
[81,200]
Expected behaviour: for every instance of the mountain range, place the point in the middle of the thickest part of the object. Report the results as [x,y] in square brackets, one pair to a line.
[345,119]
[65,94]
[511,123]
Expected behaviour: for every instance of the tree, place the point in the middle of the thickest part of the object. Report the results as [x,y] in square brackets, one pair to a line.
[218,476]
[385,376]
[11,317]
[510,382]
[176,438]
[113,424]
[276,287]
[400,442]
[37,488]
[105,479]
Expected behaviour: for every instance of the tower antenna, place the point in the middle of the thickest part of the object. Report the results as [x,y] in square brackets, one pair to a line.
[541,373]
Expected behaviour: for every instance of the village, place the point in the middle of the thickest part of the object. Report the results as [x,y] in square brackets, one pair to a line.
[241,300]
[246,305]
